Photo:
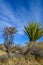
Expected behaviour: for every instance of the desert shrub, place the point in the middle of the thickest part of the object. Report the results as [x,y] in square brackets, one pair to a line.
[4,58]
[34,50]
[37,51]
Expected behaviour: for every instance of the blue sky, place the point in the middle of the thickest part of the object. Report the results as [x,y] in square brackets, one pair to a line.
[19,13]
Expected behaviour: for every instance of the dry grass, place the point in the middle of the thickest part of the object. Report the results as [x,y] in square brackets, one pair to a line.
[2,52]
[20,59]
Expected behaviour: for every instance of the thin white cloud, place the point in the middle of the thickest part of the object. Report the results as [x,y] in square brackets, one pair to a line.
[20,17]
[7,16]
[4,24]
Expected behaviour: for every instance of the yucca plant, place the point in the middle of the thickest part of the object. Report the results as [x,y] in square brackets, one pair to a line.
[34,31]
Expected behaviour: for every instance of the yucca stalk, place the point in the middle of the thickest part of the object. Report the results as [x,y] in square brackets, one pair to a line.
[34,31]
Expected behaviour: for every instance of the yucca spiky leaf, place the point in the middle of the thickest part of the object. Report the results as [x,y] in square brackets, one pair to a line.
[34,31]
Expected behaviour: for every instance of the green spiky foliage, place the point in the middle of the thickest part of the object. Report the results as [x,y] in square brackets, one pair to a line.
[34,31]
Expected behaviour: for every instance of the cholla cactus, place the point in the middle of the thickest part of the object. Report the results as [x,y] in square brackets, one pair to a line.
[8,35]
